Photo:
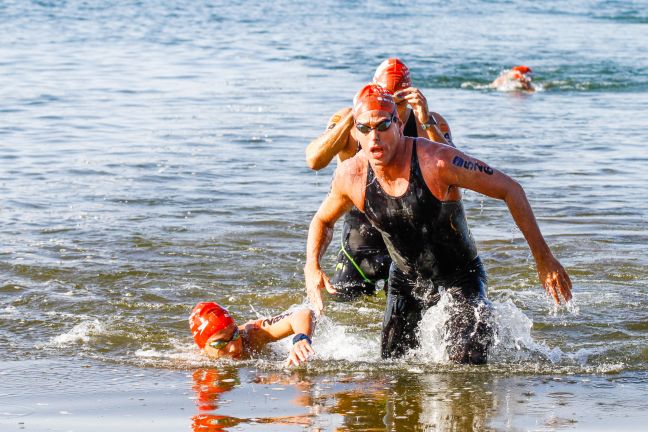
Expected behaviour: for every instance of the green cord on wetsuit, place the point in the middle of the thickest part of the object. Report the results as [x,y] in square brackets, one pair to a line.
[357,267]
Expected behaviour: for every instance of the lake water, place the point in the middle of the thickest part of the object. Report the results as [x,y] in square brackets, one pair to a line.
[152,156]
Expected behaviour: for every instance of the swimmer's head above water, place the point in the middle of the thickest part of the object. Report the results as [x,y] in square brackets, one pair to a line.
[215,331]
[516,78]
[373,97]
[379,128]
[394,75]
[522,71]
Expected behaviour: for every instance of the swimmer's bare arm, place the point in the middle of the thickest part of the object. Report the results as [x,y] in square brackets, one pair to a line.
[336,203]
[284,325]
[454,168]
[337,140]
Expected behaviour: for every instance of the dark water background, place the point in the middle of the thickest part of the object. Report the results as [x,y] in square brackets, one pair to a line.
[152,156]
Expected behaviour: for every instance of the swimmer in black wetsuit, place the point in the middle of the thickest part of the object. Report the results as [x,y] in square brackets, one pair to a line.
[363,259]
[406,187]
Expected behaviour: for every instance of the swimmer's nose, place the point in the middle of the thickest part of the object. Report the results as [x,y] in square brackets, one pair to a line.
[374,135]
[232,351]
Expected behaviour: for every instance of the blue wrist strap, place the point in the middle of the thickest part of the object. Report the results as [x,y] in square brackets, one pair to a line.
[301,336]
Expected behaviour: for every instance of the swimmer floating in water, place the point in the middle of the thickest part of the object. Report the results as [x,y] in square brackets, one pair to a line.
[218,336]
[516,78]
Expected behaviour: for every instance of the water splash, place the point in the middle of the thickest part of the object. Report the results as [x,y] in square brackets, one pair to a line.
[512,337]
[512,340]
[333,341]
[80,333]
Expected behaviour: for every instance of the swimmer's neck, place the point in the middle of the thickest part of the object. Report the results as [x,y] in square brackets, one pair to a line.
[398,168]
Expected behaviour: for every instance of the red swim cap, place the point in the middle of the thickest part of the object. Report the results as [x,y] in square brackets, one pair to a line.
[373,97]
[393,75]
[207,319]
[523,69]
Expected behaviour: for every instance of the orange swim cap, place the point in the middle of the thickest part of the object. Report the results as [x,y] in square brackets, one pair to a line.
[523,69]
[206,319]
[373,97]
[393,75]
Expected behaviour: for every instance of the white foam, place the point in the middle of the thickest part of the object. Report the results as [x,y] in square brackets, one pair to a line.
[507,86]
[80,333]
[475,85]
[332,341]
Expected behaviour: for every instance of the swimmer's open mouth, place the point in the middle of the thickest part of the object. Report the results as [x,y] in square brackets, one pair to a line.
[376,151]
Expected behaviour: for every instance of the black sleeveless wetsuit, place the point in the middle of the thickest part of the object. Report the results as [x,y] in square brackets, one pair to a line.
[363,259]
[432,250]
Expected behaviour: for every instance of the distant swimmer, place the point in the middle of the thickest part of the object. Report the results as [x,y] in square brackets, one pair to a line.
[363,259]
[216,334]
[405,187]
[516,78]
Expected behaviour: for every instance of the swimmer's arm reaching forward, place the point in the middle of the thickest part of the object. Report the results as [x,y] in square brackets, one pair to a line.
[336,203]
[300,323]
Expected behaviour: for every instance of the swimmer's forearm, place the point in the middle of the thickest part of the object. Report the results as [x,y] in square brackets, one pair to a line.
[434,133]
[323,149]
[551,273]
[302,326]
[319,237]
[302,322]
[524,218]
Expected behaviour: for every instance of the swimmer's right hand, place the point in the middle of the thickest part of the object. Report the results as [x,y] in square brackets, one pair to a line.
[299,353]
[316,280]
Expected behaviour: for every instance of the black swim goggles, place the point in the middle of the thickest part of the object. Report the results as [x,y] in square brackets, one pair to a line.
[220,344]
[380,127]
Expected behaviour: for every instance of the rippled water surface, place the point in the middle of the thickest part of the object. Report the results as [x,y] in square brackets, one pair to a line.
[152,156]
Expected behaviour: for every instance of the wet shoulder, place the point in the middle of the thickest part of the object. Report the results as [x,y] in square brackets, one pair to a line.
[432,154]
[252,324]
[351,177]
[352,169]
[435,162]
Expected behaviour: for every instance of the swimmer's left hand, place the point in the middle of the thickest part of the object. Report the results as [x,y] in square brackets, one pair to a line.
[416,100]
[299,353]
[555,279]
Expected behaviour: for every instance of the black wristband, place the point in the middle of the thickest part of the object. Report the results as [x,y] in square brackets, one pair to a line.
[301,336]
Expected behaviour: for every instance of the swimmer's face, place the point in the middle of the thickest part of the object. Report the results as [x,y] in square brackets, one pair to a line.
[226,343]
[380,142]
